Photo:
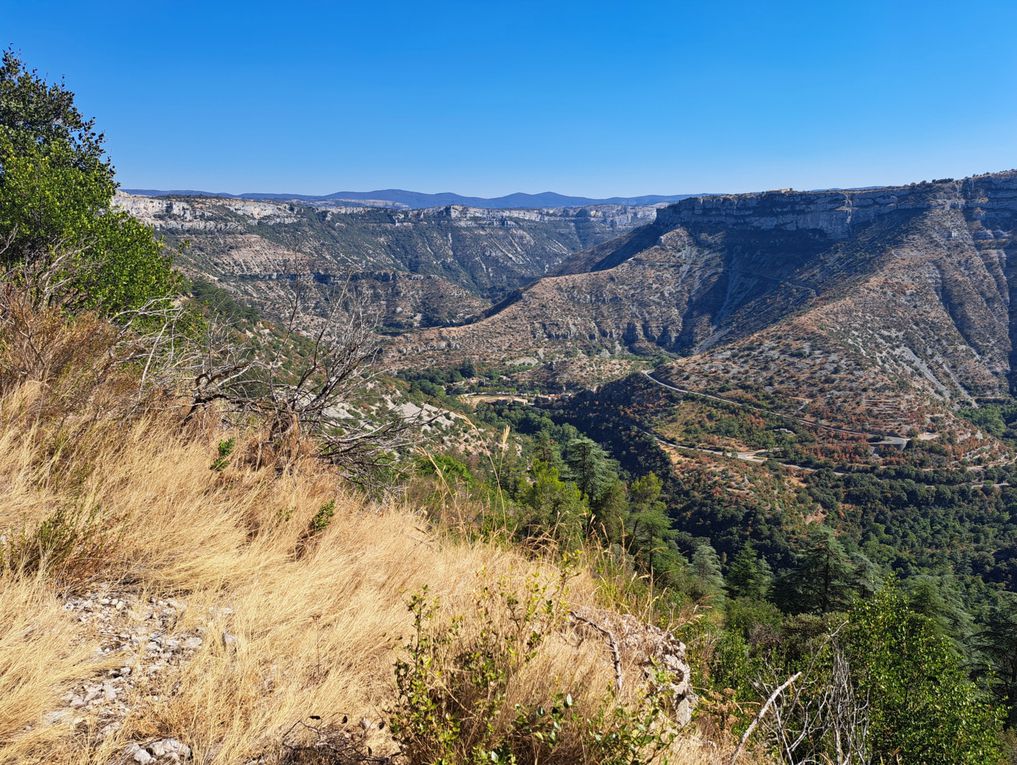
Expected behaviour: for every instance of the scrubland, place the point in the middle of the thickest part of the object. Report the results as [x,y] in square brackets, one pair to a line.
[288,587]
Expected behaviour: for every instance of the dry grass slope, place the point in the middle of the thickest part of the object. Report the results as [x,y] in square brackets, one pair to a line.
[97,498]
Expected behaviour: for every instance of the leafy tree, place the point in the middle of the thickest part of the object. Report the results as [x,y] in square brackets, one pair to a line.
[558,508]
[989,418]
[56,195]
[39,113]
[450,470]
[922,707]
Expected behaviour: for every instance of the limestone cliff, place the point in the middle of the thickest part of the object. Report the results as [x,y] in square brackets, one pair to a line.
[893,293]
[427,267]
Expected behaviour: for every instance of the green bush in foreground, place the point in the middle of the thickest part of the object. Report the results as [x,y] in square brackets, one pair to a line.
[923,707]
[455,682]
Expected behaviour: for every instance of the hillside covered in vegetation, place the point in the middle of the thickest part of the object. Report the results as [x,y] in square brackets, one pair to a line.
[228,539]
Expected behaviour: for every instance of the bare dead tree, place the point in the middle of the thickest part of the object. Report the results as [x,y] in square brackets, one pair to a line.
[310,383]
[849,718]
[37,296]
[220,369]
[49,276]
[761,714]
[821,720]
[306,383]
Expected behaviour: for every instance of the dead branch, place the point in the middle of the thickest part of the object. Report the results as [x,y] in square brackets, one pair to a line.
[760,714]
[615,653]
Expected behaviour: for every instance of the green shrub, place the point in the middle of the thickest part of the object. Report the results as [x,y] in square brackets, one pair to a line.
[56,203]
[224,451]
[453,685]
[923,707]
[322,518]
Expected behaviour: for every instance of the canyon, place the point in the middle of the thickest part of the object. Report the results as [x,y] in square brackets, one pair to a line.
[425,267]
[859,307]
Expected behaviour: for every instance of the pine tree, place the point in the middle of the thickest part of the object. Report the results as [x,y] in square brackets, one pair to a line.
[749,575]
[998,642]
[822,579]
[708,580]
[610,511]
[650,533]
[590,467]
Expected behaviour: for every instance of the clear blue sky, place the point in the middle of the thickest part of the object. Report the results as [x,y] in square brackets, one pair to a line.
[591,98]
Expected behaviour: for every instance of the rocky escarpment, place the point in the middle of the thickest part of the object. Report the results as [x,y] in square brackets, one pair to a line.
[857,294]
[427,267]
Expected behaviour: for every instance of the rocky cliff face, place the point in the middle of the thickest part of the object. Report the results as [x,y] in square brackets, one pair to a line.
[867,293]
[435,266]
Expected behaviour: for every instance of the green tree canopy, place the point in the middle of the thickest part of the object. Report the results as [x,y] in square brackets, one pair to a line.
[56,201]
[557,507]
[651,535]
[749,575]
[38,113]
[590,467]
[823,575]
[922,707]
[611,510]
[708,582]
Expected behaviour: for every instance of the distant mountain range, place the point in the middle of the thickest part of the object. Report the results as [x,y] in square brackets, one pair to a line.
[417,200]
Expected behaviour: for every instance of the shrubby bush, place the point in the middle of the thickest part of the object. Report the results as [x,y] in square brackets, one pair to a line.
[462,678]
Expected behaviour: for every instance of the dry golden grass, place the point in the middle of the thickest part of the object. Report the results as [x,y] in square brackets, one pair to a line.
[294,625]
[38,656]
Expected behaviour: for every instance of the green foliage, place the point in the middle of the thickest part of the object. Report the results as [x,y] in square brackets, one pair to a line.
[732,664]
[590,467]
[749,575]
[651,536]
[451,471]
[823,576]
[611,510]
[221,303]
[322,518]
[998,643]
[452,688]
[45,113]
[224,451]
[556,507]
[56,194]
[998,419]
[453,684]
[708,580]
[620,735]
[64,533]
[923,708]
[435,382]
[949,537]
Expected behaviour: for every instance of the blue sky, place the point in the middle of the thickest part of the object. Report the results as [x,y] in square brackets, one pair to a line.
[591,98]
